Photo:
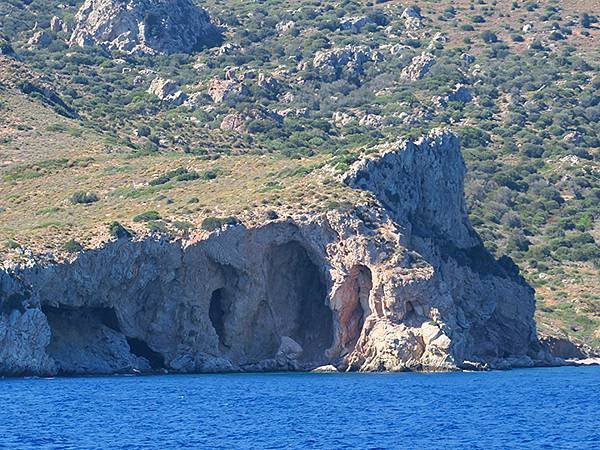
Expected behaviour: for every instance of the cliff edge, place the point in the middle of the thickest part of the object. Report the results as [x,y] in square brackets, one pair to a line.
[402,283]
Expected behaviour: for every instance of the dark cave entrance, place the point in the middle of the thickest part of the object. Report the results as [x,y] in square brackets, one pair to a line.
[62,316]
[139,348]
[297,300]
[216,313]
[77,333]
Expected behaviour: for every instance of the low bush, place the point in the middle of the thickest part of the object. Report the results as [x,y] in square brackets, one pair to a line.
[214,223]
[118,231]
[82,197]
[147,216]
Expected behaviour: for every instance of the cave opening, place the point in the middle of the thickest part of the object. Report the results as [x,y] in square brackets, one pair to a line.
[60,316]
[140,348]
[297,301]
[216,313]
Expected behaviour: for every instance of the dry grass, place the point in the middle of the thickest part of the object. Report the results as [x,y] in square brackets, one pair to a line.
[41,170]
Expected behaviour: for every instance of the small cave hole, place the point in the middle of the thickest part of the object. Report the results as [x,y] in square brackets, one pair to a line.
[139,348]
[216,313]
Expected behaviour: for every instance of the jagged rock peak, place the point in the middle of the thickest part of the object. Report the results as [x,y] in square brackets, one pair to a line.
[421,182]
[144,26]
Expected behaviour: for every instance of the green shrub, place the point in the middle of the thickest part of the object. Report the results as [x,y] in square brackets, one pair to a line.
[72,246]
[157,226]
[118,231]
[182,225]
[11,244]
[214,223]
[147,216]
[82,197]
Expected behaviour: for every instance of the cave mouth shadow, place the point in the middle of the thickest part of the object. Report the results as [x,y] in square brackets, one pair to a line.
[297,298]
[216,313]
[74,328]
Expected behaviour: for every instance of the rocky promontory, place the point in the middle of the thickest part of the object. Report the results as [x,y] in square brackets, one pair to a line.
[400,283]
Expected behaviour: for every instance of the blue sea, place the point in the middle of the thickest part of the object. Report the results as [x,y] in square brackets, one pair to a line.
[530,408]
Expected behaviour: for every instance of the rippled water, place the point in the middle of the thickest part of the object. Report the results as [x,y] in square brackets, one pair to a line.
[532,408]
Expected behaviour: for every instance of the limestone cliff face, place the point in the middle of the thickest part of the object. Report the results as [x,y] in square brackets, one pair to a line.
[144,26]
[400,284]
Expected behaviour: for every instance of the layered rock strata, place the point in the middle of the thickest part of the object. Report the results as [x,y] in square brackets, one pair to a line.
[403,283]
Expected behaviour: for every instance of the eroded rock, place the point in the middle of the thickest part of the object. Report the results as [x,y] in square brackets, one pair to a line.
[331,64]
[144,26]
[167,90]
[418,67]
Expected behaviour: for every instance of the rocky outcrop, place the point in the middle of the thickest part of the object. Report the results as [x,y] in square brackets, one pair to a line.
[412,18]
[399,283]
[144,26]
[238,122]
[224,90]
[350,60]
[40,39]
[418,67]
[167,90]
[56,24]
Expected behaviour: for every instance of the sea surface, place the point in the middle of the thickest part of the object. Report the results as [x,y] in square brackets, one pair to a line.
[528,408]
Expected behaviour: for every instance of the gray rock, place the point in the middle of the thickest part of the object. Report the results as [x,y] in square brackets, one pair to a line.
[56,24]
[41,39]
[167,90]
[330,64]
[418,67]
[223,90]
[144,26]
[412,18]
[354,23]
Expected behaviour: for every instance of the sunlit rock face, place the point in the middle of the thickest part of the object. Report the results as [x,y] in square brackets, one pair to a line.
[403,283]
[144,26]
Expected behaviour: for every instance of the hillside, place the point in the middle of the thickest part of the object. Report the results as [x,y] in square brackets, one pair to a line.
[263,121]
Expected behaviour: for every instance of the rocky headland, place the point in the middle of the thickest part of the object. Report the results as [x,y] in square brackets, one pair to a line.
[402,283]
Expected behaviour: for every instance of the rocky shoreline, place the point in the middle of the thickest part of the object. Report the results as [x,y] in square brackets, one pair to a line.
[404,283]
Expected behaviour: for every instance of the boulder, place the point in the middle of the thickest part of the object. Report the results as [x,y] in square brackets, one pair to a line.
[331,64]
[223,90]
[412,18]
[371,121]
[354,23]
[342,119]
[418,67]
[285,27]
[234,122]
[144,26]
[167,90]
[40,39]
[56,24]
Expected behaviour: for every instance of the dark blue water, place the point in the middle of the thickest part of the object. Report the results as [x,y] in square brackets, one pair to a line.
[532,408]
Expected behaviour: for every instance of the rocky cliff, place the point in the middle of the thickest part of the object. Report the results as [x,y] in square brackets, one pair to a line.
[144,26]
[403,283]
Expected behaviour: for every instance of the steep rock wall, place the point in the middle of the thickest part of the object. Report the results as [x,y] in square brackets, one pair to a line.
[400,284]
